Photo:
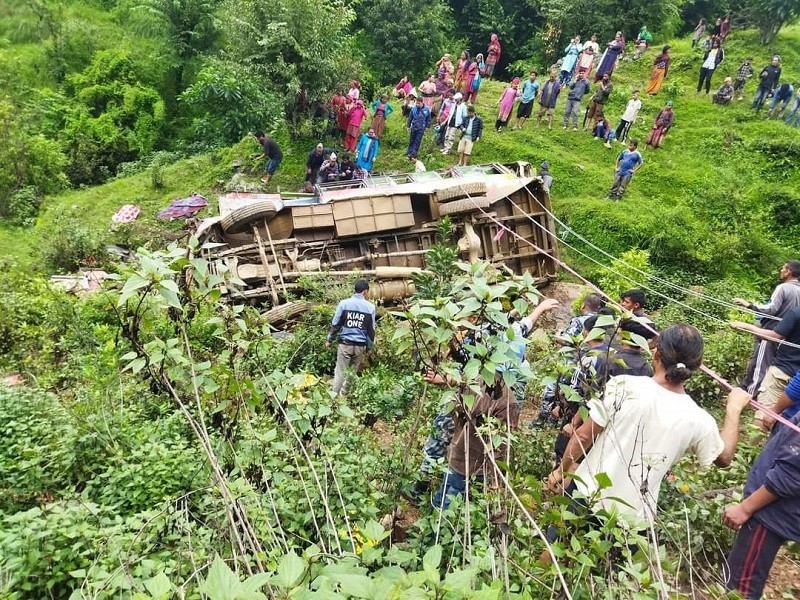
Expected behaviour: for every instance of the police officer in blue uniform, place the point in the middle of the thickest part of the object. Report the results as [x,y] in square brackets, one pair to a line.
[354,326]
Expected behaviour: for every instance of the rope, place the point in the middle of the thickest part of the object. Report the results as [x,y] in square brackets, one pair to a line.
[651,275]
[611,269]
[634,281]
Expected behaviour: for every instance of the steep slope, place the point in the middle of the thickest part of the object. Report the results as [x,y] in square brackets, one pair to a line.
[718,200]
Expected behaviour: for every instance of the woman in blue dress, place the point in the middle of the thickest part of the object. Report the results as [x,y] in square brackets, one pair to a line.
[570,60]
[609,61]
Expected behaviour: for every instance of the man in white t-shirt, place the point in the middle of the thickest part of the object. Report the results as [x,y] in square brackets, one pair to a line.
[641,427]
[629,116]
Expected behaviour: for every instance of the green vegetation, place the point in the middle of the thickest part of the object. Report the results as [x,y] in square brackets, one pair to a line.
[166,444]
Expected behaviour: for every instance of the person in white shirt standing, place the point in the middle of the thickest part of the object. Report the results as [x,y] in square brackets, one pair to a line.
[711,60]
[458,114]
[640,428]
[629,116]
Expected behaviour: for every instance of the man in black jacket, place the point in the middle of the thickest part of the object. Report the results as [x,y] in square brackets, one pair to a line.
[767,81]
[769,515]
[472,129]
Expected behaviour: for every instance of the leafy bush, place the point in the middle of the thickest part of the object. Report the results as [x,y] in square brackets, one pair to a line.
[627,270]
[30,164]
[68,245]
[118,118]
[32,321]
[23,206]
[381,392]
[36,433]
[229,102]
[141,477]
[54,550]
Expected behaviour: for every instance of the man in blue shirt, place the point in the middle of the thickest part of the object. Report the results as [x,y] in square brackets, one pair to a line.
[529,90]
[354,326]
[418,120]
[628,162]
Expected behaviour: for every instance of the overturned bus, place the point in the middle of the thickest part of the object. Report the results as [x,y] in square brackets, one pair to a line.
[382,228]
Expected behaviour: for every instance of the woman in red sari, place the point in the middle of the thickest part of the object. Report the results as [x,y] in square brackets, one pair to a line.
[339,112]
[664,120]
[493,53]
[463,61]
[355,118]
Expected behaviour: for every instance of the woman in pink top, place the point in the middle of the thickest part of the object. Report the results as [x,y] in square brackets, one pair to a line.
[427,90]
[507,99]
[357,115]
[402,88]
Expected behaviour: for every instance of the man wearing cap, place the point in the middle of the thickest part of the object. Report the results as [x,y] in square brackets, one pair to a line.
[354,326]
[767,82]
[473,128]
[457,115]
[577,90]
[418,120]
[315,160]
[329,170]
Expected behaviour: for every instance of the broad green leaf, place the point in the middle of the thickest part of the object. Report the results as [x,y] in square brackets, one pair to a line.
[251,587]
[358,586]
[433,557]
[170,297]
[134,282]
[460,580]
[159,586]
[290,571]
[603,480]
[374,531]
[605,321]
[169,284]
[221,583]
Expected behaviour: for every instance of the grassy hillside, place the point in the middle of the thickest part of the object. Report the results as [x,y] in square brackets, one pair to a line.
[714,202]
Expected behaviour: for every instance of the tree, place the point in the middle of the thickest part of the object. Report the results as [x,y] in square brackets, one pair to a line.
[187,26]
[405,37]
[515,22]
[229,102]
[301,49]
[768,16]
[116,119]
[30,164]
[604,17]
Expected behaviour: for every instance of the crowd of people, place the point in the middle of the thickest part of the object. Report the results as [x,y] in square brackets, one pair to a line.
[621,416]
[638,420]
[444,103]
[628,414]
